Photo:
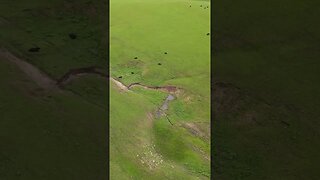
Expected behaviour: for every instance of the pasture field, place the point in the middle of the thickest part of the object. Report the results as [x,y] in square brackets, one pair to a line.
[43,126]
[157,44]
[267,106]
[47,134]
[50,133]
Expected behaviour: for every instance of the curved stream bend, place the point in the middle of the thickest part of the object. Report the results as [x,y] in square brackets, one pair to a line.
[46,82]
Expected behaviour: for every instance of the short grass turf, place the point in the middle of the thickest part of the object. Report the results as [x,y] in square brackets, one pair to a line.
[48,25]
[270,50]
[50,135]
[159,43]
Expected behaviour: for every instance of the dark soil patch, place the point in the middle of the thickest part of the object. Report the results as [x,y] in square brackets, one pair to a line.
[169,89]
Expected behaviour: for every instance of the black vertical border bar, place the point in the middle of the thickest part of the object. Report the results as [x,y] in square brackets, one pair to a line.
[107,27]
[211,92]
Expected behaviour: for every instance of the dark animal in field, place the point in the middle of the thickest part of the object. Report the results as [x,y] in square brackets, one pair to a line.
[35,49]
[72,36]
[120,77]
[165,53]
[159,64]
[135,57]
[132,72]
[208,34]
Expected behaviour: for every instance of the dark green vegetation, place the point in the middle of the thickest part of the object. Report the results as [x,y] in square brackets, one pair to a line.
[162,43]
[48,25]
[268,127]
[45,133]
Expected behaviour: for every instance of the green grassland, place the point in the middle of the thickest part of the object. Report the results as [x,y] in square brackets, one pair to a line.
[53,134]
[269,50]
[47,25]
[142,35]
[48,135]
[60,135]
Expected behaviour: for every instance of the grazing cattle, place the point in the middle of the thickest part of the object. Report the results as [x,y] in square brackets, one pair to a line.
[132,72]
[159,64]
[135,57]
[120,77]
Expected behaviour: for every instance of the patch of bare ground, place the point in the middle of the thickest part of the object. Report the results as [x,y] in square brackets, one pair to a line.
[199,129]
[119,84]
[40,78]
[166,89]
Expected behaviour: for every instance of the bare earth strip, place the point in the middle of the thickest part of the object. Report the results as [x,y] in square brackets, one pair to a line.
[47,83]
[34,73]
[40,78]
[119,84]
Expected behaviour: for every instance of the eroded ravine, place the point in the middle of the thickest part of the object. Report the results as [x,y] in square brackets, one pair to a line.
[47,83]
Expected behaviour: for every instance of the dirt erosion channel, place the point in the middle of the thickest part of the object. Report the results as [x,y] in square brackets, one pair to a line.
[47,83]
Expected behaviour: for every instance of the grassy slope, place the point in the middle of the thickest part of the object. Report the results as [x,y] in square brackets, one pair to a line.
[147,29]
[48,135]
[269,48]
[45,135]
[47,25]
